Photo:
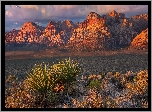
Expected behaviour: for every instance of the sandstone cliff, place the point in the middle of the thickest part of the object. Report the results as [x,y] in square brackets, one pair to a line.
[28,33]
[96,32]
[140,41]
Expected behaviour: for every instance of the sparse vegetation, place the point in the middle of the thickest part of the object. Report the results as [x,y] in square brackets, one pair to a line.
[58,85]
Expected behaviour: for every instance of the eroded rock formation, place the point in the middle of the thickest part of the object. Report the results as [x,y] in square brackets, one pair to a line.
[140,41]
[106,32]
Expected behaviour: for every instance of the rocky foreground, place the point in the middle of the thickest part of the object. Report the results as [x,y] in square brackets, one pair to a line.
[118,81]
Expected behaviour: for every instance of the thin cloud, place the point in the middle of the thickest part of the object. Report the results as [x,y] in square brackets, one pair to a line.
[64,12]
[33,12]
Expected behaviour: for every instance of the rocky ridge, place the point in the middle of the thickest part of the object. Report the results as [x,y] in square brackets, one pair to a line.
[111,31]
[28,33]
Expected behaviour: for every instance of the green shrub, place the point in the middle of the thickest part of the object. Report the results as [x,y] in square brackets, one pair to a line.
[65,73]
[50,80]
[94,84]
[38,78]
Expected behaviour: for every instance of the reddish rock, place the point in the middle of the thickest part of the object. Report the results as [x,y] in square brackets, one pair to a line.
[95,33]
[113,14]
[90,35]
[140,41]
[28,33]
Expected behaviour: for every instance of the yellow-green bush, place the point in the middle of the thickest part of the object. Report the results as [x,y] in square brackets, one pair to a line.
[49,80]
[45,83]
[38,78]
[94,84]
[64,73]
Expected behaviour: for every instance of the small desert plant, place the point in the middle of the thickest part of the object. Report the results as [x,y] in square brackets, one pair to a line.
[38,79]
[50,80]
[94,77]
[94,99]
[102,75]
[94,84]
[64,74]
[117,75]
[109,103]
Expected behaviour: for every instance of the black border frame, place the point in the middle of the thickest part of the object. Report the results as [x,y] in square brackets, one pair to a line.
[3,3]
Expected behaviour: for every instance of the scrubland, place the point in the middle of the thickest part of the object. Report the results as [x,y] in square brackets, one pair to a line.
[111,81]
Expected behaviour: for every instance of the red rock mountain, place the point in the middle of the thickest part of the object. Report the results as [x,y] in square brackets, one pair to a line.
[29,33]
[51,36]
[140,41]
[92,33]
[111,31]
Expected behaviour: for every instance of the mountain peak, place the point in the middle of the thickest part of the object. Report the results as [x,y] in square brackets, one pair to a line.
[93,15]
[52,22]
[97,32]
[113,13]
[30,26]
[29,22]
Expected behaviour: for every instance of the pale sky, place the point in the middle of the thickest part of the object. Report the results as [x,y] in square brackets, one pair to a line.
[15,16]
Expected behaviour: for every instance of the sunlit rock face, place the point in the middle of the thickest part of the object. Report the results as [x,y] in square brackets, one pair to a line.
[112,31]
[28,33]
[140,41]
[113,14]
[96,32]
[50,35]
[139,22]
[57,33]
[11,36]
[123,30]
[91,34]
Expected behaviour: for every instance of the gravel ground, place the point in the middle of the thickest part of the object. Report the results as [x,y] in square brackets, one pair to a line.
[121,63]
[90,64]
